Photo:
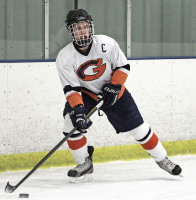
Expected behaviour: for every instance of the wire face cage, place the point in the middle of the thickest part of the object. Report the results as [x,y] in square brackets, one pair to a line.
[82,32]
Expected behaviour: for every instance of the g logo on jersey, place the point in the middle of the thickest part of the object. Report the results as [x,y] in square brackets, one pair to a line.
[99,70]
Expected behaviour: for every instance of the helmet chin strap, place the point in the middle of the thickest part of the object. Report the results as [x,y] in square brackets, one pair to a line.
[84,43]
[78,46]
[82,49]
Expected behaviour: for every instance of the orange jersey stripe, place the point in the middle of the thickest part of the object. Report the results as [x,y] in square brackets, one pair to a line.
[91,94]
[75,99]
[119,77]
[77,144]
[152,143]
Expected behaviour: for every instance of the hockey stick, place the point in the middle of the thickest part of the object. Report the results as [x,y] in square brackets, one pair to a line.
[9,188]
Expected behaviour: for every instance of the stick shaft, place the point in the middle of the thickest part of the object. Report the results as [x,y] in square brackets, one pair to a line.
[55,148]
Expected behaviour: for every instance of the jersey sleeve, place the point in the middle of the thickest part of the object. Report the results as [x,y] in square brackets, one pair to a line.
[69,80]
[120,65]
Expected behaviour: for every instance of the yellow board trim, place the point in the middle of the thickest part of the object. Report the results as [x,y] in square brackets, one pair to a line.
[61,158]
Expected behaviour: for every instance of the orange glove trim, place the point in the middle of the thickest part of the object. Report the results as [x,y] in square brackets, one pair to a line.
[119,77]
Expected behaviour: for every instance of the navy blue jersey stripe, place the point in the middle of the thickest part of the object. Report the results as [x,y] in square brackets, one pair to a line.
[127,67]
[69,88]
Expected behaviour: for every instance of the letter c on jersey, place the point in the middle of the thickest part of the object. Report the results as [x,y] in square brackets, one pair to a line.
[99,70]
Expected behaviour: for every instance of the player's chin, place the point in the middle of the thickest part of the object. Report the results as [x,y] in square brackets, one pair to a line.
[84,38]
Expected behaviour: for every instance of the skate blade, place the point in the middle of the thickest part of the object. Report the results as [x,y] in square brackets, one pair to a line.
[82,179]
[180,175]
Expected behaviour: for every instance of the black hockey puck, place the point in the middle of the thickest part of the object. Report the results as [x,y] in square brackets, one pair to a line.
[23,195]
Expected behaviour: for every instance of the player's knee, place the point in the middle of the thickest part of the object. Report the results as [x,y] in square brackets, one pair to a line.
[142,132]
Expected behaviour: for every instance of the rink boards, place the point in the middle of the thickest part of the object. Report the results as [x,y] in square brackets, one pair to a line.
[32,101]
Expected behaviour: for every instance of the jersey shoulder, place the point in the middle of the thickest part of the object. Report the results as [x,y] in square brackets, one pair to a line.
[104,39]
[66,53]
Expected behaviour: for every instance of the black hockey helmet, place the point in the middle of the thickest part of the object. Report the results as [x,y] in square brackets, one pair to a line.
[77,15]
[86,25]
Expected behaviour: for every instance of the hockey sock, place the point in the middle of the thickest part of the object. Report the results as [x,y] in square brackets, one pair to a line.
[78,147]
[154,147]
[149,141]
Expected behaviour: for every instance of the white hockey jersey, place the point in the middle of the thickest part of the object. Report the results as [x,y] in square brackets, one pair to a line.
[92,69]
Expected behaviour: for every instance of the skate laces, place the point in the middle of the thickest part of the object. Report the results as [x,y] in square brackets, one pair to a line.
[166,164]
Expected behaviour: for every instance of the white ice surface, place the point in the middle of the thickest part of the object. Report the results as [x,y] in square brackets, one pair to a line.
[129,180]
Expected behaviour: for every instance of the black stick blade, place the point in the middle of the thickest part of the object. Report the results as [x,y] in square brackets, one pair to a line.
[9,188]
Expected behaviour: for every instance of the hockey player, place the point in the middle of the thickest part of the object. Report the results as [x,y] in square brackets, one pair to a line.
[93,68]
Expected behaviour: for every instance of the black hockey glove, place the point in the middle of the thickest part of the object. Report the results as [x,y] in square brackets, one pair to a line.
[109,94]
[78,118]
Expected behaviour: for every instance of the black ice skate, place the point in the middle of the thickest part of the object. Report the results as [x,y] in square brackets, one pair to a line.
[82,173]
[169,166]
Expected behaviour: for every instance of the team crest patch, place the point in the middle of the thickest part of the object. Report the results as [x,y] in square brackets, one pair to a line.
[97,71]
